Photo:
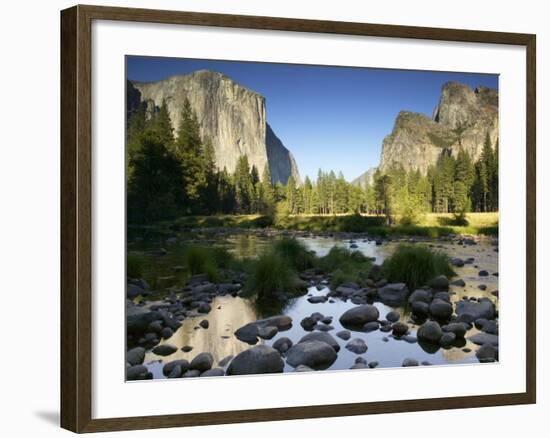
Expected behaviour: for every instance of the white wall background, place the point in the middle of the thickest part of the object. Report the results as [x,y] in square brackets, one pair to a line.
[29,218]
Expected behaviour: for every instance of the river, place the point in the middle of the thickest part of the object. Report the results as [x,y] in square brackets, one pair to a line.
[230,313]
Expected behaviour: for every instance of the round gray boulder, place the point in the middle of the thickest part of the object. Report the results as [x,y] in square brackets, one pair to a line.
[202,362]
[314,354]
[359,316]
[325,337]
[430,332]
[260,359]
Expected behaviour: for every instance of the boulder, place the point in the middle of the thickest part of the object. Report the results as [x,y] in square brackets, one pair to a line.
[175,373]
[490,327]
[441,309]
[371,326]
[135,356]
[484,338]
[203,307]
[166,333]
[483,308]
[202,362]
[458,328]
[439,283]
[458,262]
[400,329]
[392,316]
[213,372]
[308,323]
[430,332]
[282,322]
[282,345]
[318,299]
[267,332]
[420,309]
[393,294]
[204,324]
[181,363]
[487,353]
[248,333]
[344,334]
[138,372]
[421,295]
[164,350]
[138,320]
[314,354]
[458,282]
[344,292]
[409,362]
[357,346]
[321,337]
[359,315]
[260,359]
[447,339]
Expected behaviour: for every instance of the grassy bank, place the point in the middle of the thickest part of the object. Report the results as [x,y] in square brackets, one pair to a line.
[432,225]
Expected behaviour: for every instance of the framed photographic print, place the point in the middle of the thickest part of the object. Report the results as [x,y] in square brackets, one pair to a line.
[269,218]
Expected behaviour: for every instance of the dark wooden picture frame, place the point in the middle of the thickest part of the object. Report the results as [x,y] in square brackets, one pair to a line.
[76,217]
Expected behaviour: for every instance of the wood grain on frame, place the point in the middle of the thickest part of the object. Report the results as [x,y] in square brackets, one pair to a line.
[76,226]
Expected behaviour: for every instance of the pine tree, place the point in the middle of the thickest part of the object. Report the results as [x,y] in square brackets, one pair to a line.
[340,194]
[135,128]
[307,195]
[189,150]
[209,193]
[290,192]
[267,192]
[244,189]
[154,191]
[161,125]
[226,192]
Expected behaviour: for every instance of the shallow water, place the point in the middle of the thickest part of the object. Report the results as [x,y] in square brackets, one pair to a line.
[229,313]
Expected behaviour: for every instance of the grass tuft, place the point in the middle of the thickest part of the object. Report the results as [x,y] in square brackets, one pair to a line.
[345,265]
[415,265]
[270,276]
[294,253]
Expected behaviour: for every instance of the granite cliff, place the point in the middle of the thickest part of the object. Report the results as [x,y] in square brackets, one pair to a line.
[230,115]
[462,119]
[366,178]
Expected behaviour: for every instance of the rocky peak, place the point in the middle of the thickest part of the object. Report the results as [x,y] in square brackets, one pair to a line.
[233,117]
[365,179]
[462,118]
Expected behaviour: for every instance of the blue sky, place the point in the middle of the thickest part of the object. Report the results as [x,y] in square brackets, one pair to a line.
[329,117]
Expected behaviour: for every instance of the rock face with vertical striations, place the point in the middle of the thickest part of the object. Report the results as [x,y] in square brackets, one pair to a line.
[462,119]
[231,116]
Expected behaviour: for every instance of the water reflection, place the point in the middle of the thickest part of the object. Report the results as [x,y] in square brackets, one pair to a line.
[228,313]
[226,316]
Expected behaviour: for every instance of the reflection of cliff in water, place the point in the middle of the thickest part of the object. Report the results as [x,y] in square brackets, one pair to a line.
[218,338]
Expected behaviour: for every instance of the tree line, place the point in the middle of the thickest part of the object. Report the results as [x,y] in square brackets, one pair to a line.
[170,175]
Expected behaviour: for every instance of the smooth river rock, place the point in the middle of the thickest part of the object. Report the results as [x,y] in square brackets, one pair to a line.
[260,359]
[430,332]
[359,315]
[314,354]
